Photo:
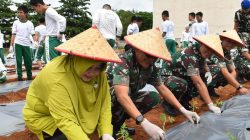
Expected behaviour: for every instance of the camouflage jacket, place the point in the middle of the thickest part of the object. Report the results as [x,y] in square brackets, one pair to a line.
[188,62]
[131,74]
[243,20]
[227,62]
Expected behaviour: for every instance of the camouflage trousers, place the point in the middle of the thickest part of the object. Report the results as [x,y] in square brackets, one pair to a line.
[144,101]
[243,68]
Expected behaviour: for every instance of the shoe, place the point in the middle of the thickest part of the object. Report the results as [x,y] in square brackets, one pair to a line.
[169,109]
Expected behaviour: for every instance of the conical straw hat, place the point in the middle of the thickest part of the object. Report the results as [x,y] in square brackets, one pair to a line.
[213,42]
[149,42]
[233,35]
[90,44]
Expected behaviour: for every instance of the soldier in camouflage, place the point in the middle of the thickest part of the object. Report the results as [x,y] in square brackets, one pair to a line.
[242,26]
[223,70]
[127,78]
[189,65]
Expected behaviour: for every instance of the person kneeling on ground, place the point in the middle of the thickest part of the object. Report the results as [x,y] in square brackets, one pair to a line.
[70,98]
[137,69]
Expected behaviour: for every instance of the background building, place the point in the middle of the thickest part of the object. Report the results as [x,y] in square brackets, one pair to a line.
[218,13]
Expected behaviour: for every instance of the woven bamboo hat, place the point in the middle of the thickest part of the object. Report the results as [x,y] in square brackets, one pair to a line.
[233,35]
[211,41]
[90,44]
[149,42]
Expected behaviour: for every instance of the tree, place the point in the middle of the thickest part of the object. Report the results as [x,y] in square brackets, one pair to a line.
[125,17]
[7,16]
[77,15]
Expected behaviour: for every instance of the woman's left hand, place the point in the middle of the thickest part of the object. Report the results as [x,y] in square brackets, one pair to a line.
[107,137]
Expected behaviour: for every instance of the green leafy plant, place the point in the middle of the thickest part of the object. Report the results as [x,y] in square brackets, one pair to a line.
[194,105]
[123,133]
[164,119]
[230,135]
[218,103]
[171,119]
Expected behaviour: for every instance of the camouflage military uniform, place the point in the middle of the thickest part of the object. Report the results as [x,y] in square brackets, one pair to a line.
[189,63]
[242,64]
[215,64]
[131,74]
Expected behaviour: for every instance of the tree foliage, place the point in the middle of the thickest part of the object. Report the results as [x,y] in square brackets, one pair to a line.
[125,17]
[7,16]
[77,15]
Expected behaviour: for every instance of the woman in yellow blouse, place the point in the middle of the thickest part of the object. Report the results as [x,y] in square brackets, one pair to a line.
[70,96]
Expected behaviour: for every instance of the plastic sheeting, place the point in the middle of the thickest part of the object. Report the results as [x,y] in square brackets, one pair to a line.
[14,86]
[232,124]
[11,118]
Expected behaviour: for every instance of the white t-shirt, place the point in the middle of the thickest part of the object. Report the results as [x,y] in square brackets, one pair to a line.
[55,23]
[1,40]
[185,36]
[2,67]
[23,32]
[108,22]
[132,28]
[168,28]
[199,29]
[41,30]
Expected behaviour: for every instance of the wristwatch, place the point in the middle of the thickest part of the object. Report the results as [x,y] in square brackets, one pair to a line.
[238,88]
[139,119]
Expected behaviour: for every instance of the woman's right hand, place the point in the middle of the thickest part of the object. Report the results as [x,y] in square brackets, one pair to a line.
[152,130]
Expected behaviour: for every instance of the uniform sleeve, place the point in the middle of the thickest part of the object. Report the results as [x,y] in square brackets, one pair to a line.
[104,124]
[164,27]
[191,64]
[118,26]
[62,111]
[236,17]
[155,79]
[14,28]
[120,74]
[58,18]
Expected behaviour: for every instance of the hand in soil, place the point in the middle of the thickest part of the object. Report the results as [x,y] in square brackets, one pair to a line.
[192,116]
[153,130]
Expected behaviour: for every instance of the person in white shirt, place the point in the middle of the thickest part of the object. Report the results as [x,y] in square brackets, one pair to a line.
[109,24]
[21,39]
[168,32]
[3,72]
[1,47]
[40,32]
[55,27]
[133,28]
[185,37]
[191,18]
[200,27]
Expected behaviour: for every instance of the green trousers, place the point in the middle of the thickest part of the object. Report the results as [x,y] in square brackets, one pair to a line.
[23,53]
[41,53]
[2,55]
[111,42]
[171,45]
[50,44]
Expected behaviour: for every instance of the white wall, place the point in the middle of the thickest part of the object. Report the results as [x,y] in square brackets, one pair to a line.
[218,13]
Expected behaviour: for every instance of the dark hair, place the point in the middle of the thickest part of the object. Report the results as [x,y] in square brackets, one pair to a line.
[36,2]
[199,14]
[42,20]
[139,19]
[106,6]
[192,14]
[133,18]
[23,8]
[165,13]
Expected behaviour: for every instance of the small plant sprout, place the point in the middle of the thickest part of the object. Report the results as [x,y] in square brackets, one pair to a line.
[171,119]
[123,133]
[230,135]
[218,103]
[194,104]
[164,119]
